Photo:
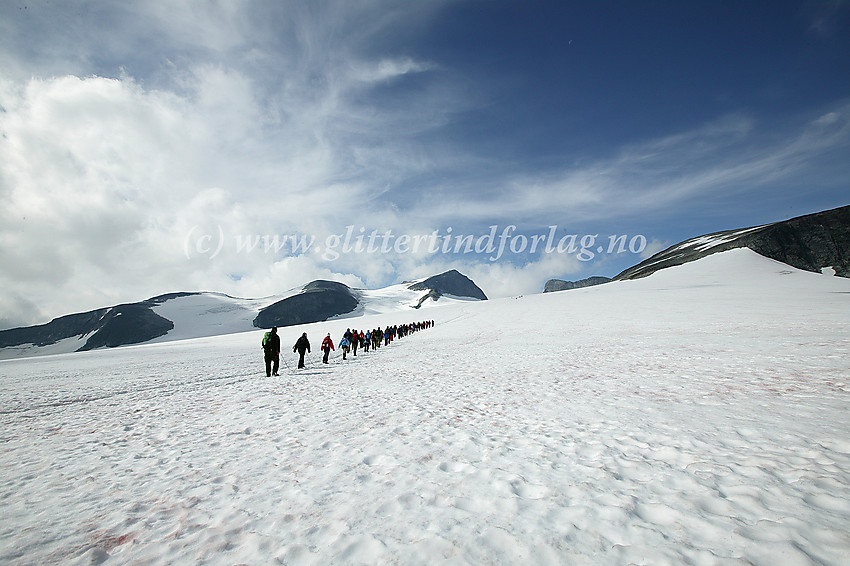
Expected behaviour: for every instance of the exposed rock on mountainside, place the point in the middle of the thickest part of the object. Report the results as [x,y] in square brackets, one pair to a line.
[128,324]
[131,323]
[554,285]
[321,300]
[812,242]
[450,283]
[317,302]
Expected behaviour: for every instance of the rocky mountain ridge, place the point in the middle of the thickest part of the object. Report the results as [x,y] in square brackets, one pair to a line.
[813,242]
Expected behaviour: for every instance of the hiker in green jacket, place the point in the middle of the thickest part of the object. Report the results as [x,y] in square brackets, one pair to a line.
[271,348]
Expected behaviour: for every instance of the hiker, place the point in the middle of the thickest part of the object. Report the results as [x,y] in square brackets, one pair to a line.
[344,345]
[367,340]
[355,341]
[327,346]
[271,349]
[301,346]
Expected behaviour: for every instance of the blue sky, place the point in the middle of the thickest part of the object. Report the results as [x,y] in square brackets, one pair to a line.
[143,142]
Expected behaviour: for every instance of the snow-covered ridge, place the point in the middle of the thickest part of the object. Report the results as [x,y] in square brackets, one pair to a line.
[181,316]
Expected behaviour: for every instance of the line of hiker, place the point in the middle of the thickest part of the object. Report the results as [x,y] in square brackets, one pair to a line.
[365,340]
[350,342]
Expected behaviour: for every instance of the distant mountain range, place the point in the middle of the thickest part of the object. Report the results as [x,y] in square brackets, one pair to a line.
[554,285]
[179,316]
[815,242]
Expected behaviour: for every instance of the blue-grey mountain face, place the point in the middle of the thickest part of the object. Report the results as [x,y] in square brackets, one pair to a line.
[317,302]
[809,242]
[57,329]
[121,325]
[450,283]
[554,285]
[128,324]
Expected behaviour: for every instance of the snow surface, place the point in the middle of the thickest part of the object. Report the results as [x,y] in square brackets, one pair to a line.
[400,299]
[208,314]
[71,344]
[697,416]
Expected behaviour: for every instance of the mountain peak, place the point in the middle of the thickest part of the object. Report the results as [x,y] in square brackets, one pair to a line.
[452,282]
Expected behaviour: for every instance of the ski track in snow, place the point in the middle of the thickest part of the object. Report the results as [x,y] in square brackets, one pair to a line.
[685,418]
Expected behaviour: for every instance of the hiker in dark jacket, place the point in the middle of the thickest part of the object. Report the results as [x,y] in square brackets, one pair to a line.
[271,349]
[355,341]
[327,346]
[301,346]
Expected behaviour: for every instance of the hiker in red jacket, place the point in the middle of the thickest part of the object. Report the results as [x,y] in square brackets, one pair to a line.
[327,346]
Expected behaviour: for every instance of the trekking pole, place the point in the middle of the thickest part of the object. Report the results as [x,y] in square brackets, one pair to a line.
[284,363]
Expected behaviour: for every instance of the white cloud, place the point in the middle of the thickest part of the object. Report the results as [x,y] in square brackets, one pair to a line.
[387,69]
[103,178]
[507,279]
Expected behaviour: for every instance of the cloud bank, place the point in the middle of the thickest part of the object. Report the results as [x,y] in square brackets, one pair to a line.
[305,119]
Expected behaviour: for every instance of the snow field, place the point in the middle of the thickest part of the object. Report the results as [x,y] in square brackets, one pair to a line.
[698,416]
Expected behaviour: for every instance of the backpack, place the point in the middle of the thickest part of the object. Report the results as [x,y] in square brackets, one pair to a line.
[266,340]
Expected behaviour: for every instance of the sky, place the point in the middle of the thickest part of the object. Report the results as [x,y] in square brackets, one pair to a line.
[249,147]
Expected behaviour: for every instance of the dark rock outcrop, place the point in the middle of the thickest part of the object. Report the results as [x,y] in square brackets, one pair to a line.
[809,242]
[450,283]
[128,324]
[57,329]
[131,323]
[318,301]
[554,285]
